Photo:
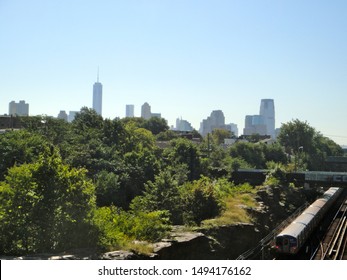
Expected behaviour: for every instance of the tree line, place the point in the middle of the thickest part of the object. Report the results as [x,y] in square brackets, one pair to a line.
[103,183]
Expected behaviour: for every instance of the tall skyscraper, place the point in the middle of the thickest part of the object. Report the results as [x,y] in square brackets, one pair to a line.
[18,109]
[215,120]
[255,124]
[183,125]
[146,111]
[267,111]
[97,96]
[233,128]
[129,111]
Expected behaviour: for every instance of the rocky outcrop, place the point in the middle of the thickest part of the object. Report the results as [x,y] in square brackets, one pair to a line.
[184,245]
[230,241]
[277,204]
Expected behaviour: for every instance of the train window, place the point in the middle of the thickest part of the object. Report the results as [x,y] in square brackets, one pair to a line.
[285,242]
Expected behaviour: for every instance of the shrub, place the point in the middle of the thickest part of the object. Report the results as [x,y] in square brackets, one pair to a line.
[46,206]
[201,200]
[118,228]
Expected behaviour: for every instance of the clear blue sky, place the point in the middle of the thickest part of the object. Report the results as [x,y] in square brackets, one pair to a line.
[184,57]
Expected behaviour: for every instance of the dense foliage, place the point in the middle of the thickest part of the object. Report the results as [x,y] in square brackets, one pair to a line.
[46,206]
[104,183]
[308,147]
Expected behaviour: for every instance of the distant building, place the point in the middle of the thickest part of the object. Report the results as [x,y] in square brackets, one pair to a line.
[264,123]
[217,119]
[129,111]
[63,116]
[97,96]
[72,115]
[156,115]
[233,128]
[254,125]
[183,125]
[146,111]
[18,109]
[214,121]
[267,111]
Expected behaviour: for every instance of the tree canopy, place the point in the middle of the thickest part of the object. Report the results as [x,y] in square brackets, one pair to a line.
[103,182]
[46,206]
[309,147]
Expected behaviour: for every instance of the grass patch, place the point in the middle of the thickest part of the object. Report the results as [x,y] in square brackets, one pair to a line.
[143,248]
[235,210]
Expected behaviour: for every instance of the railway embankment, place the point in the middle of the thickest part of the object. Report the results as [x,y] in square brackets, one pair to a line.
[275,204]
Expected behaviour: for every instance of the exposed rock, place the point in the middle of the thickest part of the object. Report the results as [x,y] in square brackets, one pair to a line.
[230,241]
[184,245]
[118,255]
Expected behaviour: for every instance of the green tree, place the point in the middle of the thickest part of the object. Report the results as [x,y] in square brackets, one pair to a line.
[46,206]
[166,135]
[306,145]
[275,152]
[91,154]
[161,194]
[135,121]
[252,153]
[183,151]
[296,134]
[323,147]
[156,125]
[140,161]
[113,133]
[217,164]
[220,134]
[201,200]
[138,138]
[56,131]
[18,147]
[110,190]
[140,166]
[87,119]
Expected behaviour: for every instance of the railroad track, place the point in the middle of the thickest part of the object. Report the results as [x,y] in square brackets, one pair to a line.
[335,242]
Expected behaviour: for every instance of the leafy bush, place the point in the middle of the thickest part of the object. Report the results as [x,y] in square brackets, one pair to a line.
[118,228]
[201,200]
[109,190]
[46,206]
[161,194]
[276,176]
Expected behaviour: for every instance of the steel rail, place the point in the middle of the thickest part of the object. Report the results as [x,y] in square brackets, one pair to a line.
[336,247]
[339,250]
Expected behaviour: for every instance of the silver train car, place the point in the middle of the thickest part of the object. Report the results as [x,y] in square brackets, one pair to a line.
[293,237]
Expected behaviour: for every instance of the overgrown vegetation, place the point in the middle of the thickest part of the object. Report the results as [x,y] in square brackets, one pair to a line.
[118,228]
[106,184]
[236,200]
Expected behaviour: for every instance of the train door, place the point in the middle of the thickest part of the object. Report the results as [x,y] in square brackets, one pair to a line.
[286,245]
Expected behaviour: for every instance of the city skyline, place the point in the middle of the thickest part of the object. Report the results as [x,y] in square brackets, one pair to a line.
[185,58]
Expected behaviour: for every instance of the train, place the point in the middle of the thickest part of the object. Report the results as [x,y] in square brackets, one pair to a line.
[290,240]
